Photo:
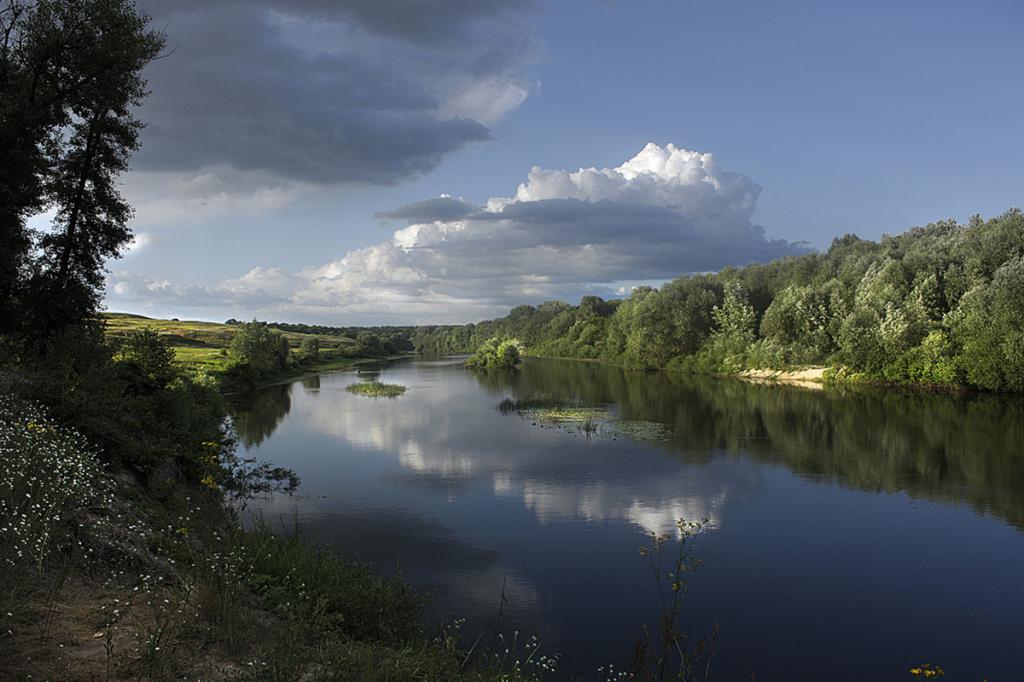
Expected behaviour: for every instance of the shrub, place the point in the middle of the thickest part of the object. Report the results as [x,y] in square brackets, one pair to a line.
[46,473]
[496,354]
[138,411]
[150,354]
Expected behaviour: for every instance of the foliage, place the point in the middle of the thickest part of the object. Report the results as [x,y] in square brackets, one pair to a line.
[376,389]
[203,346]
[497,354]
[70,83]
[309,349]
[936,305]
[46,472]
[150,355]
[331,592]
[124,396]
[990,326]
[258,347]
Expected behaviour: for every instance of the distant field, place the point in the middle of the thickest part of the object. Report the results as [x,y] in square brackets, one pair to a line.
[200,344]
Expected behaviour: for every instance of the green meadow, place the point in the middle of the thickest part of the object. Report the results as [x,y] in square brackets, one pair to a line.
[203,345]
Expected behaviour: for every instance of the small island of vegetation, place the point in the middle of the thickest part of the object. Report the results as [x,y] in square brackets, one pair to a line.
[376,389]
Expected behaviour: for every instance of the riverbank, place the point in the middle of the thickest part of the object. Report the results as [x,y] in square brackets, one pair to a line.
[202,349]
[121,551]
[233,384]
[816,378]
[114,574]
[806,377]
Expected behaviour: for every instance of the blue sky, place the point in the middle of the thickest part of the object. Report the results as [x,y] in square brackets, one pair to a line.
[267,162]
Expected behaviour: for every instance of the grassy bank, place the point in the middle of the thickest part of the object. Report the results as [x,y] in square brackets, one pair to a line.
[204,345]
[111,575]
[121,554]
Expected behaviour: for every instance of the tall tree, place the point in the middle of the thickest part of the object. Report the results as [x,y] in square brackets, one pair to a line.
[70,79]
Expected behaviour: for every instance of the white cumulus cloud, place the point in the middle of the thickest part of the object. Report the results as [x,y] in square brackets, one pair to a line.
[665,212]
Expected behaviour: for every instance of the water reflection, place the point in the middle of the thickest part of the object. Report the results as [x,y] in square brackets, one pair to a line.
[465,497]
[257,415]
[444,443]
[944,447]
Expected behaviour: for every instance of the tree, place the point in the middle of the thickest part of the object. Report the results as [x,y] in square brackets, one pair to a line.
[988,324]
[309,349]
[70,78]
[151,354]
[259,347]
[735,334]
[798,320]
[369,344]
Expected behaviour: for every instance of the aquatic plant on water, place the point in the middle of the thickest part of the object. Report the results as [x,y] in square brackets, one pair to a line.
[376,389]
[591,420]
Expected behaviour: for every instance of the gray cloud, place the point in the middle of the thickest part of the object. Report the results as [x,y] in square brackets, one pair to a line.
[442,208]
[664,213]
[423,21]
[322,92]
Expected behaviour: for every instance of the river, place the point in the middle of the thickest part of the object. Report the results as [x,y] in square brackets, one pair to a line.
[849,534]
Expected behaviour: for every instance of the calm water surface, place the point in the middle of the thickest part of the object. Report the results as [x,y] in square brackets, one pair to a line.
[850,535]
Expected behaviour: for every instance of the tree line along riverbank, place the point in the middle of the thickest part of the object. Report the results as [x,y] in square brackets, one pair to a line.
[938,306]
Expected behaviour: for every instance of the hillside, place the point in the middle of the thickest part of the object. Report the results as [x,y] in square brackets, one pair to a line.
[203,345]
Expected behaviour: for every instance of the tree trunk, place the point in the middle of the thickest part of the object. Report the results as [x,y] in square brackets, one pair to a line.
[76,205]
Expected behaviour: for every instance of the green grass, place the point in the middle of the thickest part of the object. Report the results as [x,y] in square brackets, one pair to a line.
[376,389]
[198,344]
[208,359]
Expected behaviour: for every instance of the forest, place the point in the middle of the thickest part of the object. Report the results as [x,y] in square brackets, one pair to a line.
[937,305]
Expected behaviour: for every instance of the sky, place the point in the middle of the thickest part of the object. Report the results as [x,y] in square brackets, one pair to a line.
[356,162]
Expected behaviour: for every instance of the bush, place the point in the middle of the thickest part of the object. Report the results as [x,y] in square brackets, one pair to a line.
[46,473]
[150,354]
[138,409]
[495,354]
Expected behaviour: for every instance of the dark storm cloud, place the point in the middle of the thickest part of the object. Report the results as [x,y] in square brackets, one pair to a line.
[329,92]
[442,208]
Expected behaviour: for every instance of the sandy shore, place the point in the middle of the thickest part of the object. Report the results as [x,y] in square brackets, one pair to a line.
[808,377]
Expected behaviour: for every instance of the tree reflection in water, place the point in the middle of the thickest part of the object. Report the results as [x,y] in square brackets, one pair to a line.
[950,448]
[256,415]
